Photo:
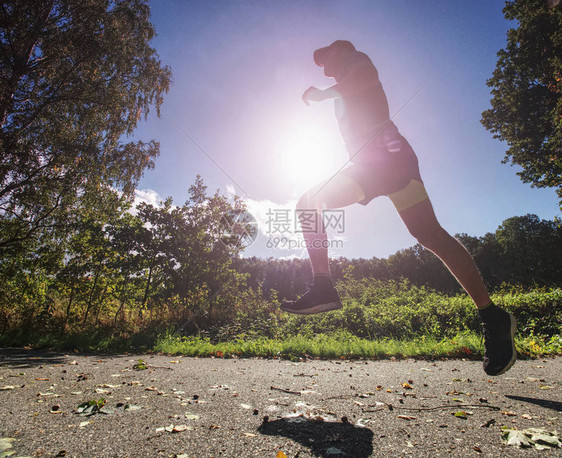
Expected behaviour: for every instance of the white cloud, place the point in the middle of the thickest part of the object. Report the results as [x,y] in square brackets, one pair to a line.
[148,196]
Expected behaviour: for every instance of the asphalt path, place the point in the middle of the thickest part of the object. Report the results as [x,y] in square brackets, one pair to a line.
[214,407]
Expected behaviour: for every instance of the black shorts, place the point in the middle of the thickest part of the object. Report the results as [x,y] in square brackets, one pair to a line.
[395,174]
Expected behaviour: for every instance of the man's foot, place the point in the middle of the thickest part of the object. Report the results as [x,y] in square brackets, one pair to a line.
[319,298]
[499,328]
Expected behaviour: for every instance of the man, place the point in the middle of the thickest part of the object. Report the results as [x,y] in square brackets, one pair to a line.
[384,164]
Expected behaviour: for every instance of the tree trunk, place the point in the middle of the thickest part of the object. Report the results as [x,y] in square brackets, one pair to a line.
[90,299]
[122,304]
[69,304]
[101,303]
[147,289]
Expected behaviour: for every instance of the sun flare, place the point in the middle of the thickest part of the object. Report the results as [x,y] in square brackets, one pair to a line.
[307,154]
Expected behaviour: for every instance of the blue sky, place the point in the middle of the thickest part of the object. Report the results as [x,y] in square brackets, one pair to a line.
[240,68]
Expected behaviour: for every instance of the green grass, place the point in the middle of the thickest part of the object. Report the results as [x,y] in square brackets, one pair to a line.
[379,319]
[343,345]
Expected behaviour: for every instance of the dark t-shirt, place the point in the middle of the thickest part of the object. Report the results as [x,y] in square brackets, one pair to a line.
[362,112]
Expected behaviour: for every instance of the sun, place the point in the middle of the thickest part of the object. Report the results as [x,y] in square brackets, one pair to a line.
[307,153]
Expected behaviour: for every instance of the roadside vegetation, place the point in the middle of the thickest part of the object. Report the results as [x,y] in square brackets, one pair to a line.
[380,319]
[81,268]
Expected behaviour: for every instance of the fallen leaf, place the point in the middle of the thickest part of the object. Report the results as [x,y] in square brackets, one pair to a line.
[131,407]
[83,424]
[190,416]
[140,365]
[181,428]
[280,454]
[407,417]
[7,387]
[73,363]
[407,386]
[56,409]
[509,414]
[532,437]
[6,444]
[477,449]
[245,406]
[43,379]
[516,438]
[91,407]
[250,435]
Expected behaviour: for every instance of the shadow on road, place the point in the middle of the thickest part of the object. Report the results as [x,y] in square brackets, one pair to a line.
[23,357]
[554,405]
[323,438]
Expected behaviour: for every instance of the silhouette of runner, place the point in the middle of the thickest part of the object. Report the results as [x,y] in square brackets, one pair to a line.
[384,164]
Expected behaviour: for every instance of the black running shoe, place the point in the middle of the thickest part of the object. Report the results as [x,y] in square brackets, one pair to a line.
[500,352]
[317,299]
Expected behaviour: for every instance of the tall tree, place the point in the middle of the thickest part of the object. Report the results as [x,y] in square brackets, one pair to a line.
[75,78]
[527,92]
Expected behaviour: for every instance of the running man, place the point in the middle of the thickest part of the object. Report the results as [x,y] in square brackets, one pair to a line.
[384,164]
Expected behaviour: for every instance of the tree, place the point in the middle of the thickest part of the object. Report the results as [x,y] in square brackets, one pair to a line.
[531,250]
[527,93]
[75,78]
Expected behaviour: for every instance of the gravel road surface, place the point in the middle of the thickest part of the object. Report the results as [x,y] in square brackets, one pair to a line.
[214,407]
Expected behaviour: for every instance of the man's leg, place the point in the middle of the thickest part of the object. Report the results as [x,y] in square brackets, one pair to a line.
[499,326]
[338,192]
[423,225]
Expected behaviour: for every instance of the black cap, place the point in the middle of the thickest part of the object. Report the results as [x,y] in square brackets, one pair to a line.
[321,54]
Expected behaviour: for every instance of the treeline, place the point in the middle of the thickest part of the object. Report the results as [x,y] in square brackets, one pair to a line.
[524,250]
[176,265]
[174,262]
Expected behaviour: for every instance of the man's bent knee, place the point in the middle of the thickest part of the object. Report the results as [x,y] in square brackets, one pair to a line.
[309,201]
